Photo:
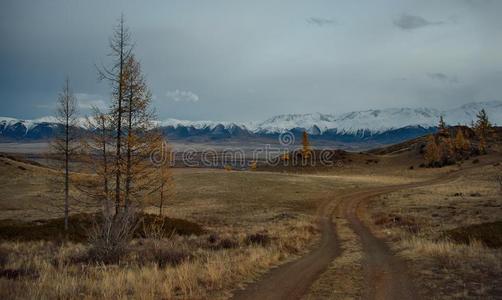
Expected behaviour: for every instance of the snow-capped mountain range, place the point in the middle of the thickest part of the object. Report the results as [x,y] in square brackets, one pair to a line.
[374,121]
[383,125]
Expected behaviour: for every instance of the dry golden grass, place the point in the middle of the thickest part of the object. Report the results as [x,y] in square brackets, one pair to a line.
[50,271]
[416,222]
[230,205]
[344,277]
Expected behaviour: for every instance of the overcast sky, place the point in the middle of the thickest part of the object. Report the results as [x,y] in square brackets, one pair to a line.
[248,60]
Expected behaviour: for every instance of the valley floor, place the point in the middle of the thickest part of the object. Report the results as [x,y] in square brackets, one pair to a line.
[360,231]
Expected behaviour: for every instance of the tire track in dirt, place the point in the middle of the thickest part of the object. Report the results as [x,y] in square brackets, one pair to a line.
[292,280]
[386,275]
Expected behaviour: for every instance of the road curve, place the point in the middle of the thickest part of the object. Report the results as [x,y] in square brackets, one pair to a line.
[385,273]
[292,280]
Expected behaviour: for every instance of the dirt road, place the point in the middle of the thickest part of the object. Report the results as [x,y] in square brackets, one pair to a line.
[291,280]
[385,273]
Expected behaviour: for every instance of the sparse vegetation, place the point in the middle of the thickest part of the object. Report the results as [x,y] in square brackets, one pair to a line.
[455,242]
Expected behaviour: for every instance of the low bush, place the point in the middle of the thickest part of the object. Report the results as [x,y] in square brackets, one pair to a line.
[17,273]
[4,257]
[80,224]
[165,226]
[407,222]
[217,243]
[162,253]
[490,234]
[109,240]
[260,238]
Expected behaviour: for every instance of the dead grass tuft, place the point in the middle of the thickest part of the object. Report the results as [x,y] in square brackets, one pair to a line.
[162,253]
[406,222]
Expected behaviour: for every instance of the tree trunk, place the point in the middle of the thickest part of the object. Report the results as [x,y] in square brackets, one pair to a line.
[161,199]
[118,174]
[129,137]
[67,159]
[105,172]
[66,180]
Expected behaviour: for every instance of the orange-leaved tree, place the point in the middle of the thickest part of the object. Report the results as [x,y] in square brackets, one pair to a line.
[432,153]
[306,150]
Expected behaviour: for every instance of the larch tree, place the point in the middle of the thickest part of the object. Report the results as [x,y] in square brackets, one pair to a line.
[253,165]
[445,145]
[166,187]
[64,145]
[446,150]
[461,143]
[483,128]
[432,152]
[442,128]
[121,50]
[98,146]
[164,183]
[306,150]
[140,140]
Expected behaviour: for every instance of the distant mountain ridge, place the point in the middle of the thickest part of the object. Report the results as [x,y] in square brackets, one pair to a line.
[377,125]
[374,121]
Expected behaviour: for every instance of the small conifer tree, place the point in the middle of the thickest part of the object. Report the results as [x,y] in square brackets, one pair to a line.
[461,143]
[306,151]
[432,154]
[483,128]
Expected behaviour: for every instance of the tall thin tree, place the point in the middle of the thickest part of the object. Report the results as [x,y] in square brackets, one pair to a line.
[138,125]
[97,147]
[483,129]
[64,145]
[121,50]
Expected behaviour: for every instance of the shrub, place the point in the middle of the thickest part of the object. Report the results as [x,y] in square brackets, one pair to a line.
[490,234]
[407,222]
[79,224]
[217,243]
[4,257]
[227,243]
[17,273]
[110,240]
[213,238]
[262,239]
[164,227]
[162,254]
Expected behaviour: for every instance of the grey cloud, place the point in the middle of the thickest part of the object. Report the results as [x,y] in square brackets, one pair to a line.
[410,22]
[443,77]
[248,60]
[321,21]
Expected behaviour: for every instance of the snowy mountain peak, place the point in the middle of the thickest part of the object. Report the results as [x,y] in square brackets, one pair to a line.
[381,120]
[372,122]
